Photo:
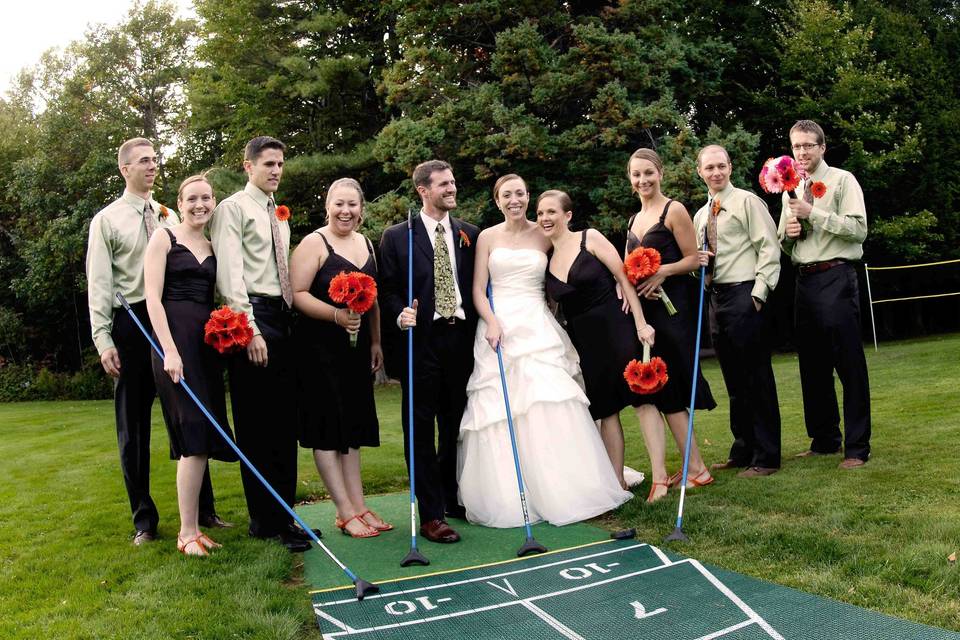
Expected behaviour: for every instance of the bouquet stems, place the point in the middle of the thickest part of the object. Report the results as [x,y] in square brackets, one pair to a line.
[353,336]
[671,310]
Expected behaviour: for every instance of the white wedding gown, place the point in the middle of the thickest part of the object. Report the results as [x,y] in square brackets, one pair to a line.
[566,472]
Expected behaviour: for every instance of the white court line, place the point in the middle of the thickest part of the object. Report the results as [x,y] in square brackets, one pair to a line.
[483,578]
[561,628]
[457,614]
[660,554]
[329,618]
[737,601]
[723,632]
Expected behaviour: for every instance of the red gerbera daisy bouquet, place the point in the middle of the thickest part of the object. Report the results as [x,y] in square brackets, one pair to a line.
[641,263]
[227,330]
[648,376]
[356,290]
[783,175]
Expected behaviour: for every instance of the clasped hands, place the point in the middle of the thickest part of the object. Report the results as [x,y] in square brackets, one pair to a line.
[799,210]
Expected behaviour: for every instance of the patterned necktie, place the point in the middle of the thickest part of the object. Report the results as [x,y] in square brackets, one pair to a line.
[280,253]
[808,190]
[444,293]
[149,219]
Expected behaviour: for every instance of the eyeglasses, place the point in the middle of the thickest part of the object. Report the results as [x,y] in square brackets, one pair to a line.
[806,146]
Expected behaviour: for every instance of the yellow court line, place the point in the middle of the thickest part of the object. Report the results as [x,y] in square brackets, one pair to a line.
[933,295]
[913,266]
[478,566]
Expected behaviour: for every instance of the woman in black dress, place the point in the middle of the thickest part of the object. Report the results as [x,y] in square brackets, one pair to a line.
[665,225]
[180,273]
[335,379]
[582,276]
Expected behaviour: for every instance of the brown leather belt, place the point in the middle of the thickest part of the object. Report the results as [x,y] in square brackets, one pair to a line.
[817,267]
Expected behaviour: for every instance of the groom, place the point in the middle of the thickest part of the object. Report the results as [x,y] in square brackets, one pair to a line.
[445,322]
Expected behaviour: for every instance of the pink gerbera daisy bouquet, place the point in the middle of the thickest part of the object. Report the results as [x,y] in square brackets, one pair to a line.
[783,175]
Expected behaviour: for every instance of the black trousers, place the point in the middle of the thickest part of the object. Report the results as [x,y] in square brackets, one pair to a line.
[741,337]
[133,396]
[828,338]
[265,420]
[442,366]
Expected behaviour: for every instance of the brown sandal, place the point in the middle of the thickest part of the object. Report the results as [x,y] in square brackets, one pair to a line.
[653,489]
[182,546]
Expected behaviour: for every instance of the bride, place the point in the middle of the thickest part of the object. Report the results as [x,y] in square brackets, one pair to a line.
[567,474]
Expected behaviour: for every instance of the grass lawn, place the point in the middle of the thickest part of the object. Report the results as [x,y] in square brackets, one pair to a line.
[877,537]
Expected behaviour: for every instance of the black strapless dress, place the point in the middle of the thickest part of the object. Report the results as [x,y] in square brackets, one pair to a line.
[188,300]
[335,384]
[605,337]
[676,334]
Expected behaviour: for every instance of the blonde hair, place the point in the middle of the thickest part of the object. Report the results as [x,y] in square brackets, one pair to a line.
[345,182]
[200,177]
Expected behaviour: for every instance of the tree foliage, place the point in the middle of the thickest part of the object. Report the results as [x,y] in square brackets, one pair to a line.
[559,92]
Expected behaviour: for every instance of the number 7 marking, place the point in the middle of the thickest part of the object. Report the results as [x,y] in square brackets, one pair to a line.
[640,612]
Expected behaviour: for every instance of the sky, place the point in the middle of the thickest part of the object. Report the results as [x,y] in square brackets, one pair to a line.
[33,26]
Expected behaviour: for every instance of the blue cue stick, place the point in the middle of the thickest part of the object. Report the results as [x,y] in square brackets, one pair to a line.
[530,545]
[678,529]
[363,587]
[414,556]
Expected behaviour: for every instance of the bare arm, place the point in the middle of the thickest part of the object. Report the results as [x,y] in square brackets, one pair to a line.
[305,262]
[680,224]
[602,248]
[481,277]
[154,270]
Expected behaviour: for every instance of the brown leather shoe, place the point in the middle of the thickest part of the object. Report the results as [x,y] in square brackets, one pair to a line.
[809,453]
[729,464]
[439,531]
[851,463]
[757,472]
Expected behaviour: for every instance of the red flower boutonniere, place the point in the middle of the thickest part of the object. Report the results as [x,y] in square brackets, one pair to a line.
[464,239]
[164,212]
[716,208]
[282,213]
[818,189]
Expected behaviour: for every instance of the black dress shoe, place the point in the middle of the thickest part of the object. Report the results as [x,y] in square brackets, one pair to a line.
[297,532]
[293,543]
[143,537]
[213,521]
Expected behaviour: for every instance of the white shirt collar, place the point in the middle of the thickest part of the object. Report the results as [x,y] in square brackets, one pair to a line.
[431,224]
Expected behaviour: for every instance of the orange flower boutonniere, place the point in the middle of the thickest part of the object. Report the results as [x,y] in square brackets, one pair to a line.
[164,212]
[716,208]
[464,239]
[818,189]
[283,213]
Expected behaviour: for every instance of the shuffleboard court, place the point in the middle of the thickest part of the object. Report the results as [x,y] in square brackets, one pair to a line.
[632,590]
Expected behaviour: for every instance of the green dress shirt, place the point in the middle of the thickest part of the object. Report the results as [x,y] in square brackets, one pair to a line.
[115,248]
[243,243]
[747,245]
[839,220]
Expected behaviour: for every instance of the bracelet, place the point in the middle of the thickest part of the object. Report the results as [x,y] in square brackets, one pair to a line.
[335,321]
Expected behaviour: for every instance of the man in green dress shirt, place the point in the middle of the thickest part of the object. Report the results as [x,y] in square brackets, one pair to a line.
[827,308]
[115,248]
[252,247]
[743,266]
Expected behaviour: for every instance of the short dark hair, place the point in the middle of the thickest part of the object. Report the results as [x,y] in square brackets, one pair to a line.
[423,171]
[259,144]
[809,126]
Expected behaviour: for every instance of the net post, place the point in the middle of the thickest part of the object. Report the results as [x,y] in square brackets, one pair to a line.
[873,322]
